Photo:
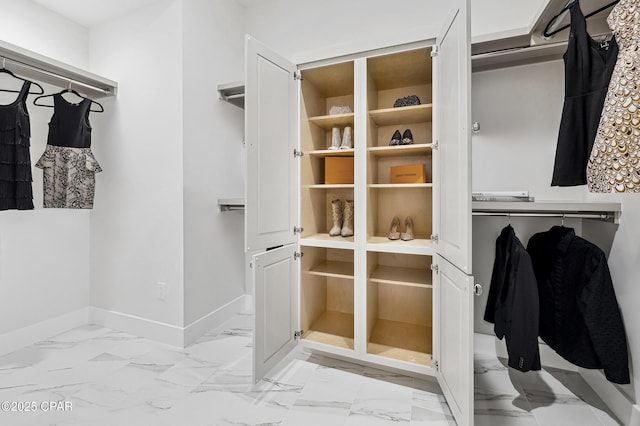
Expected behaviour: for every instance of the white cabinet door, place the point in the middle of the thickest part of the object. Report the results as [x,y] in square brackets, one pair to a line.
[276,307]
[271,136]
[453,316]
[452,170]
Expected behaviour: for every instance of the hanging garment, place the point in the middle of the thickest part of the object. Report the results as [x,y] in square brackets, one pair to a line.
[579,314]
[15,159]
[513,302]
[588,66]
[614,165]
[68,165]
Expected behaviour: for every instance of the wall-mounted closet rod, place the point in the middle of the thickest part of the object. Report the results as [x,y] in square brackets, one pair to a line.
[600,216]
[7,61]
[228,97]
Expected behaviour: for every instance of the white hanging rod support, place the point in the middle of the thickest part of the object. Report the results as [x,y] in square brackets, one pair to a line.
[599,216]
[50,74]
[229,97]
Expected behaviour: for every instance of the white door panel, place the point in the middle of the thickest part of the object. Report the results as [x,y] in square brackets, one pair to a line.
[276,307]
[270,132]
[452,171]
[454,337]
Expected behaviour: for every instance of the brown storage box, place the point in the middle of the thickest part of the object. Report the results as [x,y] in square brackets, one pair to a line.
[412,173]
[338,170]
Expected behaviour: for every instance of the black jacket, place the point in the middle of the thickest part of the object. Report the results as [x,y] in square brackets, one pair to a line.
[513,302]
[579,314]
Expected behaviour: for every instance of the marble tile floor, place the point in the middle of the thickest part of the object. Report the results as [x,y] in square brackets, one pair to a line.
[113,378]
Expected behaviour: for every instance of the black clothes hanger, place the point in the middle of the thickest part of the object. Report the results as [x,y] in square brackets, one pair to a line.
[546,32]
[69,90]
[4,70]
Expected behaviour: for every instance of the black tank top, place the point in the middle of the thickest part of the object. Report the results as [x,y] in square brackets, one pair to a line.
[69,125]
[588,67]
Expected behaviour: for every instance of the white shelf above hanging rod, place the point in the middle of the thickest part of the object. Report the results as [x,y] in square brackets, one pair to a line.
[34,66]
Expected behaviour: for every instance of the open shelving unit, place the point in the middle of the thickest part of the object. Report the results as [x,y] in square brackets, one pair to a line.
[327,296]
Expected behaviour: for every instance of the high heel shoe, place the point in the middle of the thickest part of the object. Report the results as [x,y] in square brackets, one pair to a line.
[407,235]
[393,229]
[396,139]
[407,138]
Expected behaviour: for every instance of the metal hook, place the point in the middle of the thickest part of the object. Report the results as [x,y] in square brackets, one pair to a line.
[562,219]
[509,216]
[4,62]
[70,81]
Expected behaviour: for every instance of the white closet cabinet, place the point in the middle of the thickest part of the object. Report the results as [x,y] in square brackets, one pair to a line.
[404,305]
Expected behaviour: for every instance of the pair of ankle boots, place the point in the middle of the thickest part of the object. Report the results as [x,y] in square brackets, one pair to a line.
[342,217]
[341,142]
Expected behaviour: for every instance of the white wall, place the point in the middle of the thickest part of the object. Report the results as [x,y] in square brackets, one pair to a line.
[307,30]
[35,28]
[136,226]
[213,156]
[44,254]
[519,110]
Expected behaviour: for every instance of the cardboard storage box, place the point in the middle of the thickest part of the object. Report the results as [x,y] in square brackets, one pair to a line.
[338,170]
[412,173]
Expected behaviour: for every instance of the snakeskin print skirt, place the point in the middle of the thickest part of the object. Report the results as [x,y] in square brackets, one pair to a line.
[68,177]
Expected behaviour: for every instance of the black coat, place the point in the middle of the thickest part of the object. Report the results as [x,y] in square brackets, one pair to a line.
[579,314]
[513,302]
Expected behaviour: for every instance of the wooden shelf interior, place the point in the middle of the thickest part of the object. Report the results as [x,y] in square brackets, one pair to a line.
[400,150]
[332,153]
[398,75]
[312,167]
[323,88]
[379,170]
[400,269]
[316,207]
[327,296]
[328,122]
[404,115]
[385,203]
[399,318]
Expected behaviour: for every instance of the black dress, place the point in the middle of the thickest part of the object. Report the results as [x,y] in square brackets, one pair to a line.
[68,165]
[588,69]
[15,160]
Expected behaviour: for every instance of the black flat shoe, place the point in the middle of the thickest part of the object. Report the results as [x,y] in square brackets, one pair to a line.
[407,138]
[396,139]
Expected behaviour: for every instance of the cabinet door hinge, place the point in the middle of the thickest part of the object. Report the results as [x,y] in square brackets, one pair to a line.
[297,255]
[434,51]
[298,334]
[435,145]
[435,268]
[434,238]
[297,153]
[436,364]
[297,229]
[297,75]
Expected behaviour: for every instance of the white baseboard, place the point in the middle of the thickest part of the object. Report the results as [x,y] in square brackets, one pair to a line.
[635,416]
[614,398]
[138,326]
[213,319]
[489,344]
[31,334]
[163,332]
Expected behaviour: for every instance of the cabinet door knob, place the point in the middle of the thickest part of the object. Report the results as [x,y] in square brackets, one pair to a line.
[475,127]
[477,289]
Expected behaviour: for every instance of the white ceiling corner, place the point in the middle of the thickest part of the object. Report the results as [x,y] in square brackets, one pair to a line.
[89,13]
